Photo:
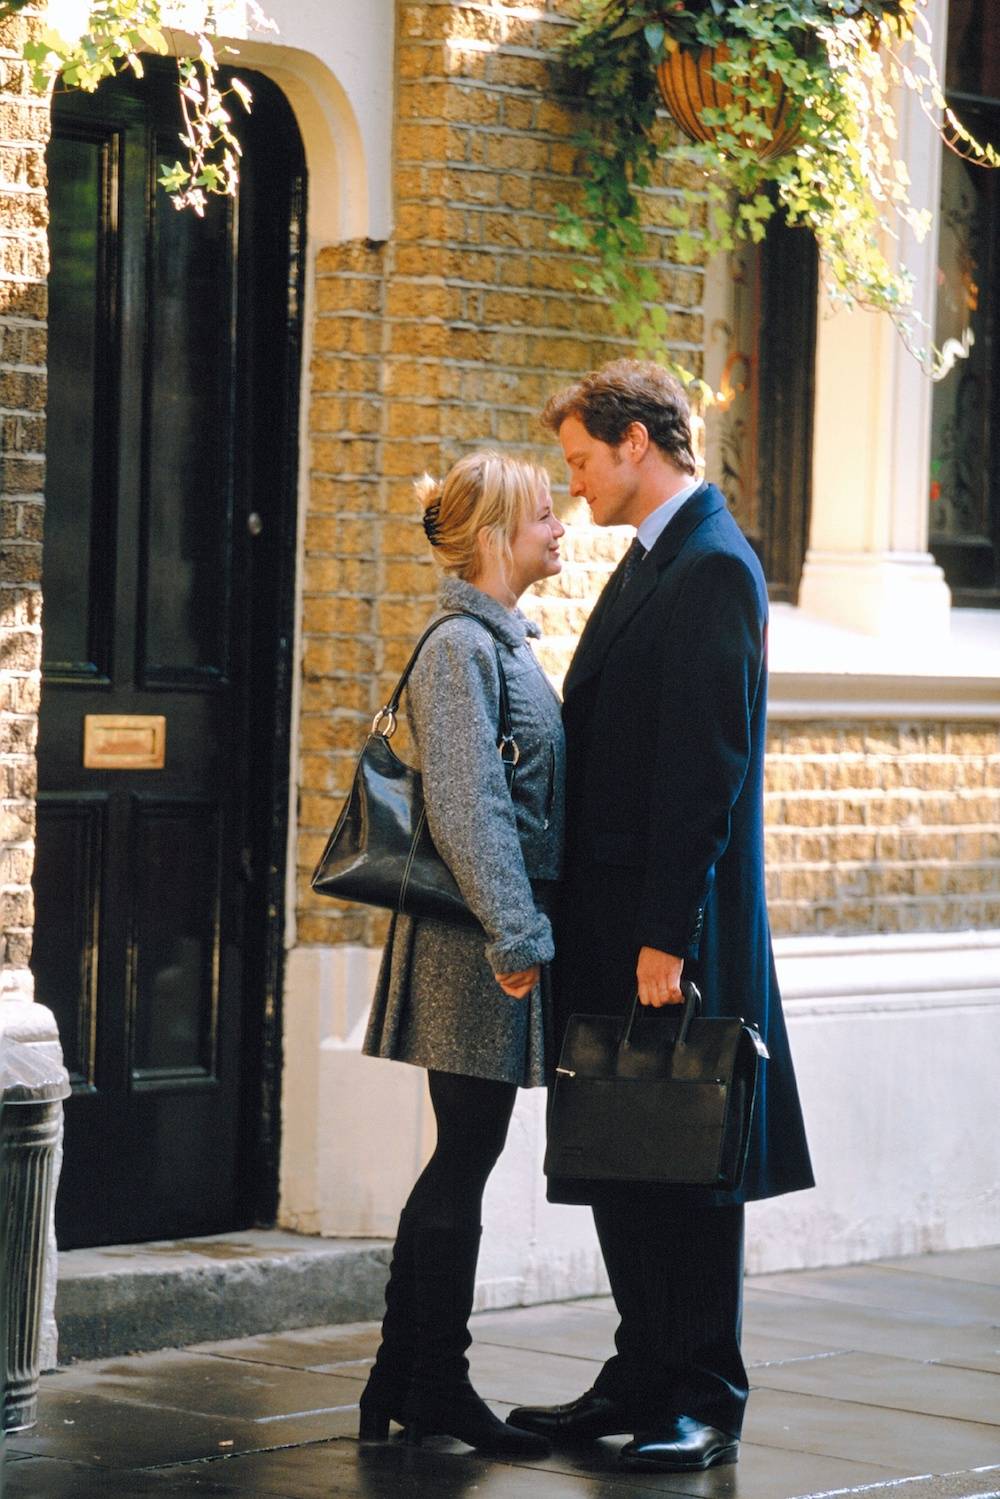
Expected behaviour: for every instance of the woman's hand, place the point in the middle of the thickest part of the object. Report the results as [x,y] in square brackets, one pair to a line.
[518,985]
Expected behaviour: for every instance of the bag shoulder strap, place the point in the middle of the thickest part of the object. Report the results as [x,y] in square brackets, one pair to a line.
[506,743]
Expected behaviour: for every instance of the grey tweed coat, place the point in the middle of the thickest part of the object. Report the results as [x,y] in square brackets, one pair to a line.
[437,1003]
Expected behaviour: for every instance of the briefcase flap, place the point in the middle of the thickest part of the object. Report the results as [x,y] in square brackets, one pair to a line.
[713,1051]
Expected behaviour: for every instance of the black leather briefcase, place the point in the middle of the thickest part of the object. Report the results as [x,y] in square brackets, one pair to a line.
[665,1096]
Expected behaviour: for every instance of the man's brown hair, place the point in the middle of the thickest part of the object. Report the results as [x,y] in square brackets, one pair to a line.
[609,400]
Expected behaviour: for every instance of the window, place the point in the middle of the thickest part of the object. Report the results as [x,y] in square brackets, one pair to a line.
[965,442]
[760,354]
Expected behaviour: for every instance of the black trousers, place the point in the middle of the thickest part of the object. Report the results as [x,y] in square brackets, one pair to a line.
[676,1272]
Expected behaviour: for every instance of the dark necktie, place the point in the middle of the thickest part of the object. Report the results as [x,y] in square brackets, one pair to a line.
[633,557]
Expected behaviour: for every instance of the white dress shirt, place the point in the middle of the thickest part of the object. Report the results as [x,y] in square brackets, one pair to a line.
[651,529]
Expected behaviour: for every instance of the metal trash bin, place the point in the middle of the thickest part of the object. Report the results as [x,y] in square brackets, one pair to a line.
[33,1084]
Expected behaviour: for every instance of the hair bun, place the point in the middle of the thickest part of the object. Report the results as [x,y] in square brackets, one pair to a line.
[428,490]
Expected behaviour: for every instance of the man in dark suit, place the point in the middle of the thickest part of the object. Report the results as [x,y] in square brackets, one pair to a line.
[664,709]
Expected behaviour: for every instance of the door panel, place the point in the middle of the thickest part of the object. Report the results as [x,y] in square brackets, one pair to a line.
[174,994]
[154,887]
[190,431]
[68,859]
[83,161]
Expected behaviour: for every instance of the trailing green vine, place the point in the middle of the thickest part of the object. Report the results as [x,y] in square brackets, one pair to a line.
[116,34]
[840,62]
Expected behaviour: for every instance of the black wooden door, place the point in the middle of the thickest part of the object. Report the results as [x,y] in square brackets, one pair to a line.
[171,438]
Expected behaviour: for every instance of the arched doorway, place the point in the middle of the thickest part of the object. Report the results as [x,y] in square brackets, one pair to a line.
[167,604]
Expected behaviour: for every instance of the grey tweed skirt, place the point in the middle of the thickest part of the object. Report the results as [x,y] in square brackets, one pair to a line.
[437,1005]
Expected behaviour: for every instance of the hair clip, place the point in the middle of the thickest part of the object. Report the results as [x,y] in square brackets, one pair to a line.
[431,514]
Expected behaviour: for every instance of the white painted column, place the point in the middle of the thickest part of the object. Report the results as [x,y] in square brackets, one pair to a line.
[868,566]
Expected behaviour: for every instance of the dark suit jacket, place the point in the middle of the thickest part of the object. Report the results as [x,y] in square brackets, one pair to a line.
[664,710]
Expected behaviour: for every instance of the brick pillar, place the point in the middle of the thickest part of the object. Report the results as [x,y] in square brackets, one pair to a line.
[24,128]
[24,132]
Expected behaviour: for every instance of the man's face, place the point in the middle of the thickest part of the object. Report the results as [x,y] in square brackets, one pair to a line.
[606,477]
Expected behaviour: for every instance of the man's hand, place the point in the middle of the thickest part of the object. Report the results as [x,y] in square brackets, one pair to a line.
[658,975]
[519,984]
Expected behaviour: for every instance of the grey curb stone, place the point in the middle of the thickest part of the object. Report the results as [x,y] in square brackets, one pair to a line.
[134,1298]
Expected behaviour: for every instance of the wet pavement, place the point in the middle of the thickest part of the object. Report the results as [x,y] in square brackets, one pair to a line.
[880,1380]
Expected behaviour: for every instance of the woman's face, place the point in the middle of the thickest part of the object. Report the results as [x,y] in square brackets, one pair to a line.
[535,547]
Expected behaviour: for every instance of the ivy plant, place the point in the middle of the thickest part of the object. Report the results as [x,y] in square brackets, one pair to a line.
[840,63]
[115,35]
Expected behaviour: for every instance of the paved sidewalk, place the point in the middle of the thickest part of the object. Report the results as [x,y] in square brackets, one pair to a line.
[879,1380]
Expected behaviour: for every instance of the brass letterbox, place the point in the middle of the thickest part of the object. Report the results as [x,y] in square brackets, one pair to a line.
[124,741]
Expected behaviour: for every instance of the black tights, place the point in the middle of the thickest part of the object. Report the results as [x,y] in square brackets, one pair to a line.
[433,1273]
[472,1115]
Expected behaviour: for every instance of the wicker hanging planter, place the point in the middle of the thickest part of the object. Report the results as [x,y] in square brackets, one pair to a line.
[688,86]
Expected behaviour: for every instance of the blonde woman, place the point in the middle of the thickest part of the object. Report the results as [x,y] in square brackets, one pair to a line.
[467,1004]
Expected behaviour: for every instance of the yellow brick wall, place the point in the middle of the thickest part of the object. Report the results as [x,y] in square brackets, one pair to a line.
[450,336]
[883,827]
[24,124]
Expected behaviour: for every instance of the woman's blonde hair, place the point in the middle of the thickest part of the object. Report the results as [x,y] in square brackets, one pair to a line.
[484,489]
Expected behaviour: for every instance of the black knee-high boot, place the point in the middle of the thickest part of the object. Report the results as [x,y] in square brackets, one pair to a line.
[441,1399]
[389,1380]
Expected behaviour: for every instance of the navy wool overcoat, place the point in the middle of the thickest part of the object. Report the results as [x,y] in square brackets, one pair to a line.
[664,711]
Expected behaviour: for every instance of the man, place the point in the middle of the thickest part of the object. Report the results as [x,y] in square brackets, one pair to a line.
[664,709]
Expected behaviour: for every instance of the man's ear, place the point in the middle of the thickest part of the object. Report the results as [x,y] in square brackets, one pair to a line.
[636,441]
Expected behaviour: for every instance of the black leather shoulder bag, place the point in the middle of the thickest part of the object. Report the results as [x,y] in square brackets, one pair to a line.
[381,852]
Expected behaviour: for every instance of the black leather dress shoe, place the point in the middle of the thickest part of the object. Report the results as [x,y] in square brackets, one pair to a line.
[682,1445]
[582,1420]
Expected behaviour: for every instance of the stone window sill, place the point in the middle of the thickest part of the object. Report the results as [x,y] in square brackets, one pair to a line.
[822,670]
[882,973]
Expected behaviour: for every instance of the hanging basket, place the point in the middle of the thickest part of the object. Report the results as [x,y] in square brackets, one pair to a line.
[688,86]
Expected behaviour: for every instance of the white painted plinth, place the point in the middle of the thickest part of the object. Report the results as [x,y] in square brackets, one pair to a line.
[893,1040]
[356,1131]
[892,597]
[533,1250]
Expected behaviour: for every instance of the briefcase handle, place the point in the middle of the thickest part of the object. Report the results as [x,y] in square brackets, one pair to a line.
[692,1006]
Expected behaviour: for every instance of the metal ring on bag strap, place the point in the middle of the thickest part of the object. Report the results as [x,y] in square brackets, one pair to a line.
[387,713]
[692,1005]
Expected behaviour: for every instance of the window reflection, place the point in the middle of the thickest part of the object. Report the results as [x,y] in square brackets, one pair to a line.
[958,444]
[760,320]
[731,431]
[973,65]
[962,489]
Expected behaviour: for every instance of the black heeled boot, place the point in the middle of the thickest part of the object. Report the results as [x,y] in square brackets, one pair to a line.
[440,1400]
[388,1383]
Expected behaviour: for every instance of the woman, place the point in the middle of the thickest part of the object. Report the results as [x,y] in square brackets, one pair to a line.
[466,1003]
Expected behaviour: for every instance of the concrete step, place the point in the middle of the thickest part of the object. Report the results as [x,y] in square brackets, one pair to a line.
[133,1298]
